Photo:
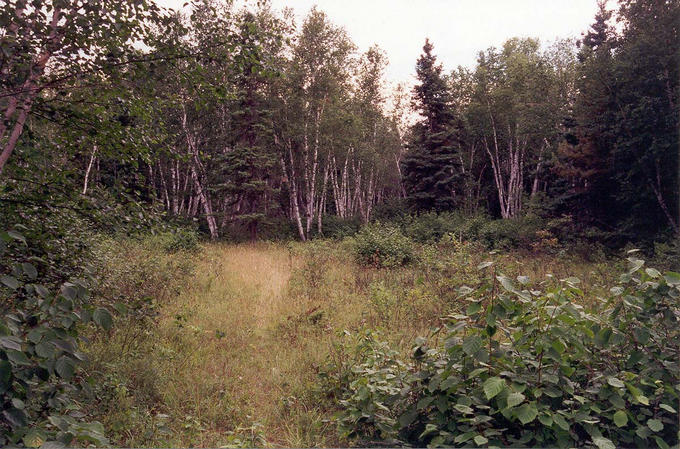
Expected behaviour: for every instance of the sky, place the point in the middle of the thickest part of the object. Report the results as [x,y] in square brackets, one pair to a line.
[459,29]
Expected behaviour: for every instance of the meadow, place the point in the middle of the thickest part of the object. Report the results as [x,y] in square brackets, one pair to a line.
[258,344]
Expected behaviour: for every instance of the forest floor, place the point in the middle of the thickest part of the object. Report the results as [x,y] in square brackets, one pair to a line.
[235,353]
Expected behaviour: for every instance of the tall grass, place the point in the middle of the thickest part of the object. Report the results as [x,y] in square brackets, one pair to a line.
[231,352]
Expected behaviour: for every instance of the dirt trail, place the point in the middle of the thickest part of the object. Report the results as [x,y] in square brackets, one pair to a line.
[242,367]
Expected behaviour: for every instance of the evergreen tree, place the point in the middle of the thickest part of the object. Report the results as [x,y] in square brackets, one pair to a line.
[584,157]
[431,167]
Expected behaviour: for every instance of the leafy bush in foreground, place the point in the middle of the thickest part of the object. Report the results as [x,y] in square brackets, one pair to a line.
[383,246]
[39,354]
[525,367]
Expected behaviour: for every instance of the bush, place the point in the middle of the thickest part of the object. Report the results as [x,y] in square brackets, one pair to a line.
[39,352]
[338,228]
[382,246]
[522,367]
[511,233]
[431,227]
[180,239]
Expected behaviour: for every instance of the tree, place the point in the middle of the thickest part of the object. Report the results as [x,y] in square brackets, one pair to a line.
[647,122]
[431,165]
[318,77]
[585,155]
[517,110]
[59,46]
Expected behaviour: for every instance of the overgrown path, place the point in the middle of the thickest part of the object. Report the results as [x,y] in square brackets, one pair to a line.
[240,375]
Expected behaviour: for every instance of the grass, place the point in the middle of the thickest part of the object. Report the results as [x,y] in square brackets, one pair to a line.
[233,355]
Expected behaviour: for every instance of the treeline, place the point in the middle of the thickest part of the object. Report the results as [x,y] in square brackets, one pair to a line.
[587,131]
[237,118]
[244,120]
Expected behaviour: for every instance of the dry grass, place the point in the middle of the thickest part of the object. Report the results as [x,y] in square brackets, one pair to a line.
[234,358]
[242,353]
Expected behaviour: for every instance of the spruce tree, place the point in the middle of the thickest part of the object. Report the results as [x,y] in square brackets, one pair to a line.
[430,166]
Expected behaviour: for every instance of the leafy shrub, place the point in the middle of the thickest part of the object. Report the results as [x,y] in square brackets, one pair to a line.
[338,228]
[668,254]
[180,239]
[431,227]
[524,367]
[40,356]
[394,210]
[383,246]
[511,233]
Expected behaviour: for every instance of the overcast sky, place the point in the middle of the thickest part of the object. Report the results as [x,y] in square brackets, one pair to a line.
[459,29]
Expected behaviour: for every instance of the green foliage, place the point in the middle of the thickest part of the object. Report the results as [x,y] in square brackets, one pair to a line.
[180,239]
[338,228]
[383,246]
[510,233]
[430,227]
[525,364]
[40,356]
[431,165]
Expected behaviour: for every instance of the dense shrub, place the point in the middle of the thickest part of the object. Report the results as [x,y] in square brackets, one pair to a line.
[338,228]
[511,233]
[382,246]
[180,239]
[525,367]
[431,227]
[39,352]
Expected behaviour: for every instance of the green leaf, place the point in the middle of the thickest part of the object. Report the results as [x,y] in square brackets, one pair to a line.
[545,420]
[472,344]
[672,278]
[655,425]
[16,236]
[5,375]
[473,308]
[652,272]
[515,399]
[464,409]
[9,281]
[668,408]
[102,317]
[463,437]
[635,264]
[603,443]
[637,394]
[506,283]
[17,357]
[560,421]
[34,438]
[45,350]
[42,291]
[10,343]
[526,413]
[620,418]
[407,418]
[661,443]
[29,270]
[493,386]
[480,440]
[615,382]
[16,417]
[65,367]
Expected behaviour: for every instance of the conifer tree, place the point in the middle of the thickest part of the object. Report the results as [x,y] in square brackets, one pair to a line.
[430,167]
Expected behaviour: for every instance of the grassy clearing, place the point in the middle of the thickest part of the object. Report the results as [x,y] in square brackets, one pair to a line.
[231,353]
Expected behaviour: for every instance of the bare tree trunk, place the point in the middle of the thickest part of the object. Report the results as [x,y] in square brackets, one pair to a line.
[200,191]
[322,201]
[290,175]
[89,167]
